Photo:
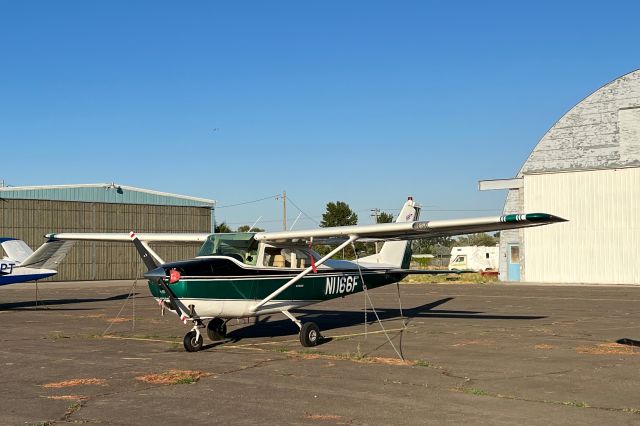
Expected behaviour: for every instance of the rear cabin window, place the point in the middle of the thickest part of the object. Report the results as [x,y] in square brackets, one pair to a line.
[286,257]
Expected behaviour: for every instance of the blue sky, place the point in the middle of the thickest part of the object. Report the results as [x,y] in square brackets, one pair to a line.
[365,102]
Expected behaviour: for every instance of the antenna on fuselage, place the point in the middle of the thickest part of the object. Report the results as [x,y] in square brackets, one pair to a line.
[254,224]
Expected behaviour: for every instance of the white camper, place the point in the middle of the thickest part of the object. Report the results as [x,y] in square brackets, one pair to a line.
[474,258]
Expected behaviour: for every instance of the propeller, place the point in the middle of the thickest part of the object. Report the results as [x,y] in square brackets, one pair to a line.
[157,274]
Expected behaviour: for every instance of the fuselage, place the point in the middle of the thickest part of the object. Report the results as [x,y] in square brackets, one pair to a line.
[11,272]
[221,286]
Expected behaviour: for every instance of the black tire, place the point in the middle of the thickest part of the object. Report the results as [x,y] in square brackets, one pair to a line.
[191,344]
[310,334]
[217,329]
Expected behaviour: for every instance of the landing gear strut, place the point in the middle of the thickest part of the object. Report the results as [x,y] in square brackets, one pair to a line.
[217,329]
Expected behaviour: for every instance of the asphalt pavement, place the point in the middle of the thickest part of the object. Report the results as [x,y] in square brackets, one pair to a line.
[473,354]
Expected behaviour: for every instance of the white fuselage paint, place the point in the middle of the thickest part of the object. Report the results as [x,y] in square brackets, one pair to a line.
[11,272]
[226,308]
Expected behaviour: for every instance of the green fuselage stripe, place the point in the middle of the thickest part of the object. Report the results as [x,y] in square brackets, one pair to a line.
[315,287]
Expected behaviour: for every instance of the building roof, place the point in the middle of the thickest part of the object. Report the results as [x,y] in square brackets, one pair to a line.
[600,132]
[102,193]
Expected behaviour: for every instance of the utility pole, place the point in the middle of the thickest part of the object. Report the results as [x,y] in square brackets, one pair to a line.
[376,213]
[284,210]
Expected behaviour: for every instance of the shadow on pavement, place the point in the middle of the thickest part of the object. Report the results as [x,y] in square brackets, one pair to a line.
[53,303]
[332,319]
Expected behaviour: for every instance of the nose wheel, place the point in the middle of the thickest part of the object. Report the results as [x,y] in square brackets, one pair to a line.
[192,341]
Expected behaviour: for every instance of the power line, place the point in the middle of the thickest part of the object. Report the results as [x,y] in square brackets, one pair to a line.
[249,202]
[302,211]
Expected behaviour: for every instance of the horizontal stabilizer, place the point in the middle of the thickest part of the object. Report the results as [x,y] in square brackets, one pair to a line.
[16,250]
[49,255]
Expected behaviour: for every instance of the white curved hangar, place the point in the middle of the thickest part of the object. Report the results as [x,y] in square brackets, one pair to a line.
[586,168]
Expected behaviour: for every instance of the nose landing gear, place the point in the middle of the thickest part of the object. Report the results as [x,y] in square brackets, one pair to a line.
[193,340]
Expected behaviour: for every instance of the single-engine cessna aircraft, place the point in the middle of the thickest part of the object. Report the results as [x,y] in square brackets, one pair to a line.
[23,264]
[240,275]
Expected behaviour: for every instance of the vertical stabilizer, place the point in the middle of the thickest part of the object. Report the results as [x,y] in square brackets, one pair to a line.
[397,253]
[16,250]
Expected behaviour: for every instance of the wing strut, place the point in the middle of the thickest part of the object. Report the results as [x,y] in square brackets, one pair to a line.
[352,238]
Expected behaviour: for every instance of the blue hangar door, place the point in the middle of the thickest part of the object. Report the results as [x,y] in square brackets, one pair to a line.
[513,259]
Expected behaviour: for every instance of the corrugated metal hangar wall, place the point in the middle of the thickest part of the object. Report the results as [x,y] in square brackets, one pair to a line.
[586,169]
[27,214]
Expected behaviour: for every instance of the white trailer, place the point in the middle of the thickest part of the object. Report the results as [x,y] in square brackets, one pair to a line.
[474,258]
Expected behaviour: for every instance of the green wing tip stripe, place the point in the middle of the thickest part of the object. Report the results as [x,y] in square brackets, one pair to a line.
[512,218]
[531,217]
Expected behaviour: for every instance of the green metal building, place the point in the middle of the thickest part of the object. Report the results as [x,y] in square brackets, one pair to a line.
[30,212]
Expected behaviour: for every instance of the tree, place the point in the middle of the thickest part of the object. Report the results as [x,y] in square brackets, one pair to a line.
[338,214]
[429,245]
[222,227]
[385,217]
[247,228]
[480,239]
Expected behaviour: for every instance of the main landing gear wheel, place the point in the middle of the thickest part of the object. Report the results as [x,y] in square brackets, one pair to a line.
[310,334]
[217,329]
[192,341]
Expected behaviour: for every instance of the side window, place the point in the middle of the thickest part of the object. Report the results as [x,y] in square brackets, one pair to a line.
[272,257]
[279,257]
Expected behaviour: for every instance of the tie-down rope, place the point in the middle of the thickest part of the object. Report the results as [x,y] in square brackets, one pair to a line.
[368,298]
[132,296]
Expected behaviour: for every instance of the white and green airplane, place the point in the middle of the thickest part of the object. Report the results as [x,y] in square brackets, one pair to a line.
[245,274]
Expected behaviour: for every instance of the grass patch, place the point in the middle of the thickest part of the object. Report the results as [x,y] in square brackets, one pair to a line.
[466,278]
[475,391]
[173,377]
[175,347]
[282,350]
[73,408]
[608,349]
[330,417]
[186,381]
[422,363]
[309,352]
[74,382]
[579,404]
[58,335]
[68,397]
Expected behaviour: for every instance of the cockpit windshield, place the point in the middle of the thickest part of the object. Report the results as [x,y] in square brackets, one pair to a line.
[238,245]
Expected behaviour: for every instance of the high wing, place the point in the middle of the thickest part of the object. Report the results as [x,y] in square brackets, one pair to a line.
[414,230]
[122,236]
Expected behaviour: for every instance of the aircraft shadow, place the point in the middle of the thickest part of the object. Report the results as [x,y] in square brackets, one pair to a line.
[53,303]
[329,320]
